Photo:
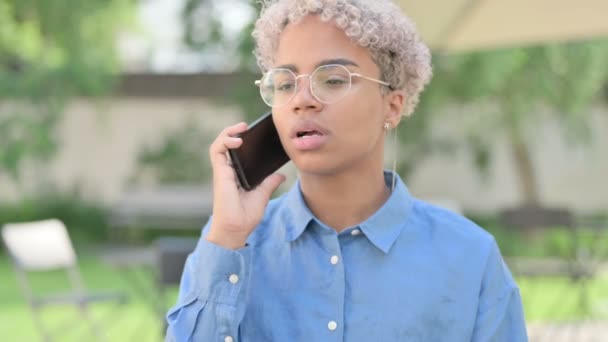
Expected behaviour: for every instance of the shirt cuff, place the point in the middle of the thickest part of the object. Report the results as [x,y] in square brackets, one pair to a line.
[221,273]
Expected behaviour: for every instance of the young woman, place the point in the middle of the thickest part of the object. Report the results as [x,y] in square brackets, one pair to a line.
[347,254]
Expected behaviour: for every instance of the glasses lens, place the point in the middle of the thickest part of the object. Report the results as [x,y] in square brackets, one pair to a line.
[278,87]
[330,83]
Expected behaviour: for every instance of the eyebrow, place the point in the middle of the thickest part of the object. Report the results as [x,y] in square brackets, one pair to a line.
[339,61]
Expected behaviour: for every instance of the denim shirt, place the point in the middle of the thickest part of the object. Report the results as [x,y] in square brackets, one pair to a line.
[410,272]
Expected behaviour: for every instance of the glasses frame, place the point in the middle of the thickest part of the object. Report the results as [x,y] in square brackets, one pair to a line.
[297,77]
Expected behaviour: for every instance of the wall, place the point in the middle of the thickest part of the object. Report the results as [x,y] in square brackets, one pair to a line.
[100,143]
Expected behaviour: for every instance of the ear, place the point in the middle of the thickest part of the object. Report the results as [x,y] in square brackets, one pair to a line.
[395,100]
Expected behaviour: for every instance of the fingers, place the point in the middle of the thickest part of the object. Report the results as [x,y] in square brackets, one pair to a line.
[224,141]
[231,142]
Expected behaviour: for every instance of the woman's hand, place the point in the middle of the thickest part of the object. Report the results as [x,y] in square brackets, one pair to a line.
[236,212]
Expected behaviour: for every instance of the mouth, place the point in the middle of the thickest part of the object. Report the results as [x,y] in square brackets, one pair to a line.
[306,129]
[308,134]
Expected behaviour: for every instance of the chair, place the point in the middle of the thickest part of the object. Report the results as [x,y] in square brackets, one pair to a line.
[45,246]
[171,254]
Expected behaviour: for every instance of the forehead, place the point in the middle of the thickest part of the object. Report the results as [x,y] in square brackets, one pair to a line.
[307,43]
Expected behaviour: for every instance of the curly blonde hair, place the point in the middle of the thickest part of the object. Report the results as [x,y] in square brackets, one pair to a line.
[378,25]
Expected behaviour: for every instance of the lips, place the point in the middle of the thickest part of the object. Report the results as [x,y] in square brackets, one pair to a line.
[303,134]
[306,128]
[307,135]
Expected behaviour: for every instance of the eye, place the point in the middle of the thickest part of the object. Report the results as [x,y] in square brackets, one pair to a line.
[336,80]
[285,86]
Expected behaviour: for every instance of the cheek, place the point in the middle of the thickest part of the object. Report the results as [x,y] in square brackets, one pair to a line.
[282,127]
[354,137]
[363,118]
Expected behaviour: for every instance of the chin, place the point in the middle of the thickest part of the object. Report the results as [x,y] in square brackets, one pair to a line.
[321,165]
[316,165]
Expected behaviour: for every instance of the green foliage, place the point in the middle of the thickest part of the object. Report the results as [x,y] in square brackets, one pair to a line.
[23,135]
[84,219]
[195,35]
[565,76]
[51,51]
[181,159]
[553,242]
[506,93]
[509,93]
[136,320]
[203,31]
[513,86]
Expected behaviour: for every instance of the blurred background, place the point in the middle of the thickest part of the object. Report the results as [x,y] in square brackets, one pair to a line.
[107,108]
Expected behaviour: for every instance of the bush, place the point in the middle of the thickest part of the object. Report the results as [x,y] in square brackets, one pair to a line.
[85,220]
[547,242]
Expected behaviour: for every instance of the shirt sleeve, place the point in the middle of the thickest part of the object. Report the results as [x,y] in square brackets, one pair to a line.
[212,294]
[500,315]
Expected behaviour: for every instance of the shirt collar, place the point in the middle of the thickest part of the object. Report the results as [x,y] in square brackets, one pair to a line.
[385,225]
[297,215]
[382,228]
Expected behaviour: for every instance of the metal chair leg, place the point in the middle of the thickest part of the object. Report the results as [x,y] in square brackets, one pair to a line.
[95,329]
[38,323]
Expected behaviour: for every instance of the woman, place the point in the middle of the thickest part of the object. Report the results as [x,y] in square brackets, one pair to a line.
[347,254]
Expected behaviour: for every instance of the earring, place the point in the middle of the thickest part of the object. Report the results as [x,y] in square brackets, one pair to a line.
[387,125]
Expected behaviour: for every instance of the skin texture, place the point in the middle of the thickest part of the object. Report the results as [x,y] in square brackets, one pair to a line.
[342,180]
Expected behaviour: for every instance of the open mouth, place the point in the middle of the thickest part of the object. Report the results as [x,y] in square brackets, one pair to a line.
[309,138]
[304,134]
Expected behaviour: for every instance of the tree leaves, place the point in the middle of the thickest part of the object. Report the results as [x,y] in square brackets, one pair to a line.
[50,52]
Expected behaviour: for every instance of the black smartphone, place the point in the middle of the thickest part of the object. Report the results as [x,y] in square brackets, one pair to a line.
[260,155]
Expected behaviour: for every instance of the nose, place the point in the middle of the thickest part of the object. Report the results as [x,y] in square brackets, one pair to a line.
[303,99]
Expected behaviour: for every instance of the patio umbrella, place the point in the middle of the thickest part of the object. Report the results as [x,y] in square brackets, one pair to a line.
[467,25]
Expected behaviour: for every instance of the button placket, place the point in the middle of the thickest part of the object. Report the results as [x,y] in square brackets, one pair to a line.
[336,269]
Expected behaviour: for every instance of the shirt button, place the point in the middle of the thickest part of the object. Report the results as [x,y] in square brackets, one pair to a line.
[233,279]
[332,325]
[334,259]
[355,232]
[228,339]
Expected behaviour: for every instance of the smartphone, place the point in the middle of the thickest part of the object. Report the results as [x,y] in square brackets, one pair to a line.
[260,154]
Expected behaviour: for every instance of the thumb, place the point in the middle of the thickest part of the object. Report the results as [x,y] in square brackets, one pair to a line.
[270,184]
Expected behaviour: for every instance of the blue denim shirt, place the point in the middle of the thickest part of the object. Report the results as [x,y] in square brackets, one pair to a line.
[410,272]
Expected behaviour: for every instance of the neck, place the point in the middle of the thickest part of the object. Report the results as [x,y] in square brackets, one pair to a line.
[347,198]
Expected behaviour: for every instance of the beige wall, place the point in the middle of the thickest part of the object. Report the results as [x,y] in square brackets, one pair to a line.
[571,176]
[101,142]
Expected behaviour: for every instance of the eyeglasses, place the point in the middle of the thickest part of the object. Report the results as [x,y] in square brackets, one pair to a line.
[328,84]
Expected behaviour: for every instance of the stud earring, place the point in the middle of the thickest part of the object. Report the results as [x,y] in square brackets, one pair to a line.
[387,126]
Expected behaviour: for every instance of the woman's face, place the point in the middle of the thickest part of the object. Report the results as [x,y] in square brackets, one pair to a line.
[342,135]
